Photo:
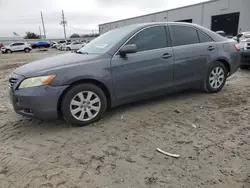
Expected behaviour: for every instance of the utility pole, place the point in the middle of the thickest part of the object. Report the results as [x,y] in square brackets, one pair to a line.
[44,32]
[63,23]
[40,32]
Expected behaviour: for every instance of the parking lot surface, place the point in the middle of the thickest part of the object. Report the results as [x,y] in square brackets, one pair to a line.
[210,132]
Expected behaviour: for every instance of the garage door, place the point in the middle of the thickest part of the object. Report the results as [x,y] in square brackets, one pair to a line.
[228,23]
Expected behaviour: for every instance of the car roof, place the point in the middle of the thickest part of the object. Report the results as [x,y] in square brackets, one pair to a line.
[137,27]
[160,23]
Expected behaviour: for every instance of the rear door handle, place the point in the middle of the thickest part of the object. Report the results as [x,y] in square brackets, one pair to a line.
[166,56]
[210,48]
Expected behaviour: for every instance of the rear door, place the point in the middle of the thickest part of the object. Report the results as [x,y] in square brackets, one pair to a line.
[78,45]
[148,70]
[21,46]
[193,50]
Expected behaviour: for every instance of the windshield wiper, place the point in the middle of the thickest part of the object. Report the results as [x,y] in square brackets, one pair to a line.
[79,52]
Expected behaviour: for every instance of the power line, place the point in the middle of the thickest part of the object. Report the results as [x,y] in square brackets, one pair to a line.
[63,23]
[44,32]
[40,32]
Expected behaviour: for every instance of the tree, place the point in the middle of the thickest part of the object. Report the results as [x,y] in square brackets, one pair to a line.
[75,35]
[31,35]
[91,35]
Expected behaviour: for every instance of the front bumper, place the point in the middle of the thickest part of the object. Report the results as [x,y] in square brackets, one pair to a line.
[37,102]
[3,50]
[245,58]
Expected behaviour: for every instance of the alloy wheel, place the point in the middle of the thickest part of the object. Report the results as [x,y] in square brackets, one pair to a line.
[85,106]
[216,77]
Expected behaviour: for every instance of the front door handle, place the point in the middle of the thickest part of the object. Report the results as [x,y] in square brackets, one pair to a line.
[166,56]
[210,48]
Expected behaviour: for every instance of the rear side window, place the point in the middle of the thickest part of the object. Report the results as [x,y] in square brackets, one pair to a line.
[183,35]
[150,39]
[19,44]
[204,38]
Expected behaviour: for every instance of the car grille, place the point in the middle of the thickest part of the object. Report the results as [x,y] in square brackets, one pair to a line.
[12,81]
[248,46]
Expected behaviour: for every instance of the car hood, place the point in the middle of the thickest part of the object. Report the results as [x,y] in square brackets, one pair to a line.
[44,66]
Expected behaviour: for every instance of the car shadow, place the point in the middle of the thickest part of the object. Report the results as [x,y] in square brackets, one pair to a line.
[150,101]
[38,127]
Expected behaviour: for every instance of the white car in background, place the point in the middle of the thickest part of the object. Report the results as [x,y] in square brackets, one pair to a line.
[62,47]
[16,47]
[244,40]
[247,45]
[75,46]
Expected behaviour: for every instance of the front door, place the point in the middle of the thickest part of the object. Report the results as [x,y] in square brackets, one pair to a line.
[15,47]
[148,70]
[193,50]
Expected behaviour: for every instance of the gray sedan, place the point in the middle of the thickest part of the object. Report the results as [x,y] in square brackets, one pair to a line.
[124,65]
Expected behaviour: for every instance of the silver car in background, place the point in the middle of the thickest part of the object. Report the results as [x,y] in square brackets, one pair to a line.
[123,65]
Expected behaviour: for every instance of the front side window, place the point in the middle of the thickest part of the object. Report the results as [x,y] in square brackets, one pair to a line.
[150,39]
[14,44]
[183,35]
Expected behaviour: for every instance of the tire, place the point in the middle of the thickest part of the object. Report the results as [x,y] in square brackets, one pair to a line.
[215,78]
[67,49]
[244,67]
[75,114]
[8,51]
[26,50]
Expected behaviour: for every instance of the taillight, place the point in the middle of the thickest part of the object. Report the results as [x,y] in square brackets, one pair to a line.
[237,47]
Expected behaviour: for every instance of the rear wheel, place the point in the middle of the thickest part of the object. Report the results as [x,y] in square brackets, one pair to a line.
[244,67]
[26,50]
[216,77]
[83,104]
[68,48]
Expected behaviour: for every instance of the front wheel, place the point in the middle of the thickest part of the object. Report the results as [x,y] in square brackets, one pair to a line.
[26,50]
[83,104]
[216,77]
[8,51]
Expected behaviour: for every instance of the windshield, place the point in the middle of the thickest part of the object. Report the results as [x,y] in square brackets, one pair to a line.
[105,42]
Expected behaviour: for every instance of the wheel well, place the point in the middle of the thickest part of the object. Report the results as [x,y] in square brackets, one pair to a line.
[84,81]
[226,64]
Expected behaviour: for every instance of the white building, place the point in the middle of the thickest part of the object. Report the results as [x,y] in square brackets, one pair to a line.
[231,16]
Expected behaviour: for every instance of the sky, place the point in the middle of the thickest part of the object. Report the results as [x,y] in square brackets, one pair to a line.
[82,16]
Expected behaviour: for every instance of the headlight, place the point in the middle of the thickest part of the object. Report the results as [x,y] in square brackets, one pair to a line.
[36,81]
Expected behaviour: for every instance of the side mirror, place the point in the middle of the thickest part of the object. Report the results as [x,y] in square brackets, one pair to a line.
[239,36]
[128,49]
